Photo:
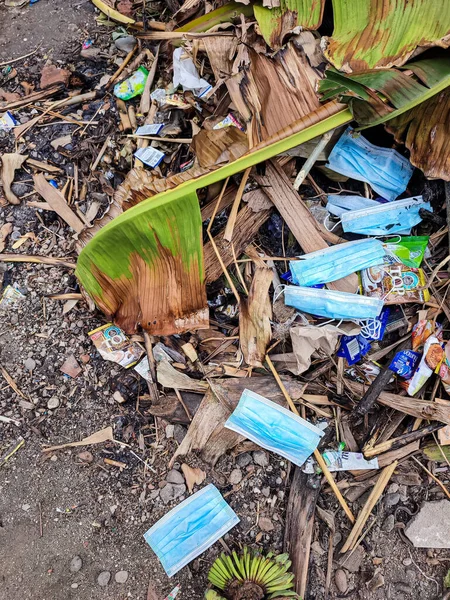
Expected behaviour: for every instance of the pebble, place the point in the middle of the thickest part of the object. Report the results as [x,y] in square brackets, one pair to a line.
[388,524]
[169,431]
[103,578]
[340,579]
[178,490]
[265,524]
[261,458]
[265,492]
[392,499]
[393,488]
[407,562]
[235,476]
[174,476]
[317,548]
[53,403]
[29,364]
[166,494]
[179,433]
[243,460]
[75,564]
[121,576]
[74,586]
[26,507]
[126,43]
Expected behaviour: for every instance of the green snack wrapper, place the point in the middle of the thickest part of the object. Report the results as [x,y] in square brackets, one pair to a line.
[409,250]
[133,86]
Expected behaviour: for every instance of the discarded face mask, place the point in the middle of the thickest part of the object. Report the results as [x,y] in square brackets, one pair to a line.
[336,262]
[337,205]
[190,528]
[384,169]
[332,304]
[385,219]
[274,427]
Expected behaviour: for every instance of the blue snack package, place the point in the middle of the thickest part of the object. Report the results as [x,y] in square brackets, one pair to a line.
[405,363]
[353,348]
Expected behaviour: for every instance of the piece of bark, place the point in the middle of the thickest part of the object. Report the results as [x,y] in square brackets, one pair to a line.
[388,457]
[402,440]
[169,408]
[422,409]
[217,146]
[246,227]
[254,318]
[57,202]
[300,514]
[207,435]
[11,162]
[300,221]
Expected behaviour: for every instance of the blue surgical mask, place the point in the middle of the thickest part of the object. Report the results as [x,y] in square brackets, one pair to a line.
[331,304]
[384,169]
[336,262]
[274,428]
[337,205]
[190,528]
[393,217]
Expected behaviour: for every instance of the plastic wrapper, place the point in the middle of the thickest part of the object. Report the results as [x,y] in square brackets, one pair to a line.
[404,363]
[185,74]
[133,86]
[395,284]
[10,296]
[7,122]
[409,250]
[113,345]
[433,355]
[341,461]
[151,157]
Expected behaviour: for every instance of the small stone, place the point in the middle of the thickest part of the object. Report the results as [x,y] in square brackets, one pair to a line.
[74,586]
[340,579]
[243,460]
[75,564]
[103,578]
[179,433]
[169,431]
[121,576]
[85,358]
[166,494]
[53,403]
[352,560]
[265,524]
[70,366]
[235,476]
[376,581]
[392,488]
[317,548]
[174,476]
[265,491]
[26,507]
[86,456]
[29,364]
[392,499]
[407,562]
[261,458]
[126,43]
[19,189]
[118,397]
[178,490]
[377,560]
[389,524]
[51,75]
[430,528]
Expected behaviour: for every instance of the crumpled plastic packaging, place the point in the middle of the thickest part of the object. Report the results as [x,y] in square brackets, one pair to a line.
[133,86]
[186,74]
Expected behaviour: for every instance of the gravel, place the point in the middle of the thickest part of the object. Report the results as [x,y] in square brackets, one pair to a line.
[103,578]
[75,564]
[261,458]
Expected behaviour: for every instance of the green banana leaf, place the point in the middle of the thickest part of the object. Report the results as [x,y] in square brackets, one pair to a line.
[371,34]
[145,267]
[275,23]
[377,96]
[226,13]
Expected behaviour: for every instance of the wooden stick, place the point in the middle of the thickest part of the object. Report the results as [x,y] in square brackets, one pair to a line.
[183,404]
[145,98]
[127,59]
[378,489]
[317,454]
[312,159]
[152,386]
[100,154]
[228,234]
[444,489]
[45,260]
[13,60]
[402,440]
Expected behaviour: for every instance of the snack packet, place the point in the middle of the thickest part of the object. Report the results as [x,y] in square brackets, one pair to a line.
[433,355]
[424,329]
[395,283]
[409,250]
[133,86]
[444,369]
[113,345]
[404,363]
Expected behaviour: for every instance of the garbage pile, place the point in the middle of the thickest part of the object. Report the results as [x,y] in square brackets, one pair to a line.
[260,212]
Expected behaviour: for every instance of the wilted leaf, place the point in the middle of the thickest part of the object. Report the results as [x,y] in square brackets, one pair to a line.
[146,267]
[371,34]
[169,377]
[11,162]
[5,230]
[276,23]
[217,146]
[425,131]
[98,437]
[193,476]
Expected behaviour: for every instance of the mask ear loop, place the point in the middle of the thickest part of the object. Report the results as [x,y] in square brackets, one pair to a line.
[279,290]
[334,226]
[389,237]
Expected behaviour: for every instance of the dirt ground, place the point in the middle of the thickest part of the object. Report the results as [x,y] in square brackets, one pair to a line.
[65,504]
